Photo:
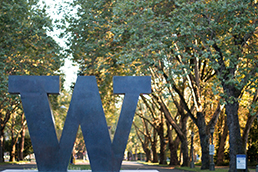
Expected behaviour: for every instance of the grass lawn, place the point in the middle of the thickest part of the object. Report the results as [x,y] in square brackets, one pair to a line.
[70,166]
[78,167]
[15,162]
[199,169]
[148,163]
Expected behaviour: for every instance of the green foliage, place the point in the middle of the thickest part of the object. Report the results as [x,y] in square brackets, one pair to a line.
[211,31]
[90,44]
[27,146]
[25,45]
[25,49]
[201,47]
[223,32]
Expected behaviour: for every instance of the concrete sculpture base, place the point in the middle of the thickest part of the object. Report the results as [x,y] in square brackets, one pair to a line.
[18,170]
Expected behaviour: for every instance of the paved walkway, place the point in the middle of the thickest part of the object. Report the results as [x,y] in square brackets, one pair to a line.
[18,166]
[126,165]
[130,165]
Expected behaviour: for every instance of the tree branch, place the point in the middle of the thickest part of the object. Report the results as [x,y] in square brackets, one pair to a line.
[215,115]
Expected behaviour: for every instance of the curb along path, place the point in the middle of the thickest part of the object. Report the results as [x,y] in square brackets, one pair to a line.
[126,165]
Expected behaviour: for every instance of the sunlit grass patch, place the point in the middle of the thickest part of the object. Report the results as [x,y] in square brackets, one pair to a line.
[78,167]
[148,163]
[15,162]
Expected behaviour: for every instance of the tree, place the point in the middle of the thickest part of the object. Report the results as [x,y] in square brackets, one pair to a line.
[89,42]
[251,113]
[135,37]
[144,141]
[146,36]
[210,44]
[173,147]
[15,129]
[252,139]
[222,140]
[26,49]
[153,118]
[225,33]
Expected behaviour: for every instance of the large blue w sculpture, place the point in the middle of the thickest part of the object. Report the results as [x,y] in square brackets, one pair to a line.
[85,110]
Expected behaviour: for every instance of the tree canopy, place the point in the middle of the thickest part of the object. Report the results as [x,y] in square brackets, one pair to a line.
[25,49]
[202,56]
[211,46]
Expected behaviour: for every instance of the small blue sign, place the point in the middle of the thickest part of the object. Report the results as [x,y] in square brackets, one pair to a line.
[211,150]
[241,161]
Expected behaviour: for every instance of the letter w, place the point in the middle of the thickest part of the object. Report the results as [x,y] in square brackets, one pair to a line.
[85,110]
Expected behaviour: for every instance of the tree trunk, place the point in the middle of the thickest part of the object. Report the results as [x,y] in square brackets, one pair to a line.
[135,154]
[162,153]
[148,155]
[247,128]
[3,120]
[173,147]
[249,122]
[146,141]
[181,131]
[12,155]
[235,140]
[204,139]
[184,150]
[1,145]
[202,127]
[22,139]
[13,150]
[184,142]
[222,141]
[155,157]
[145,147]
